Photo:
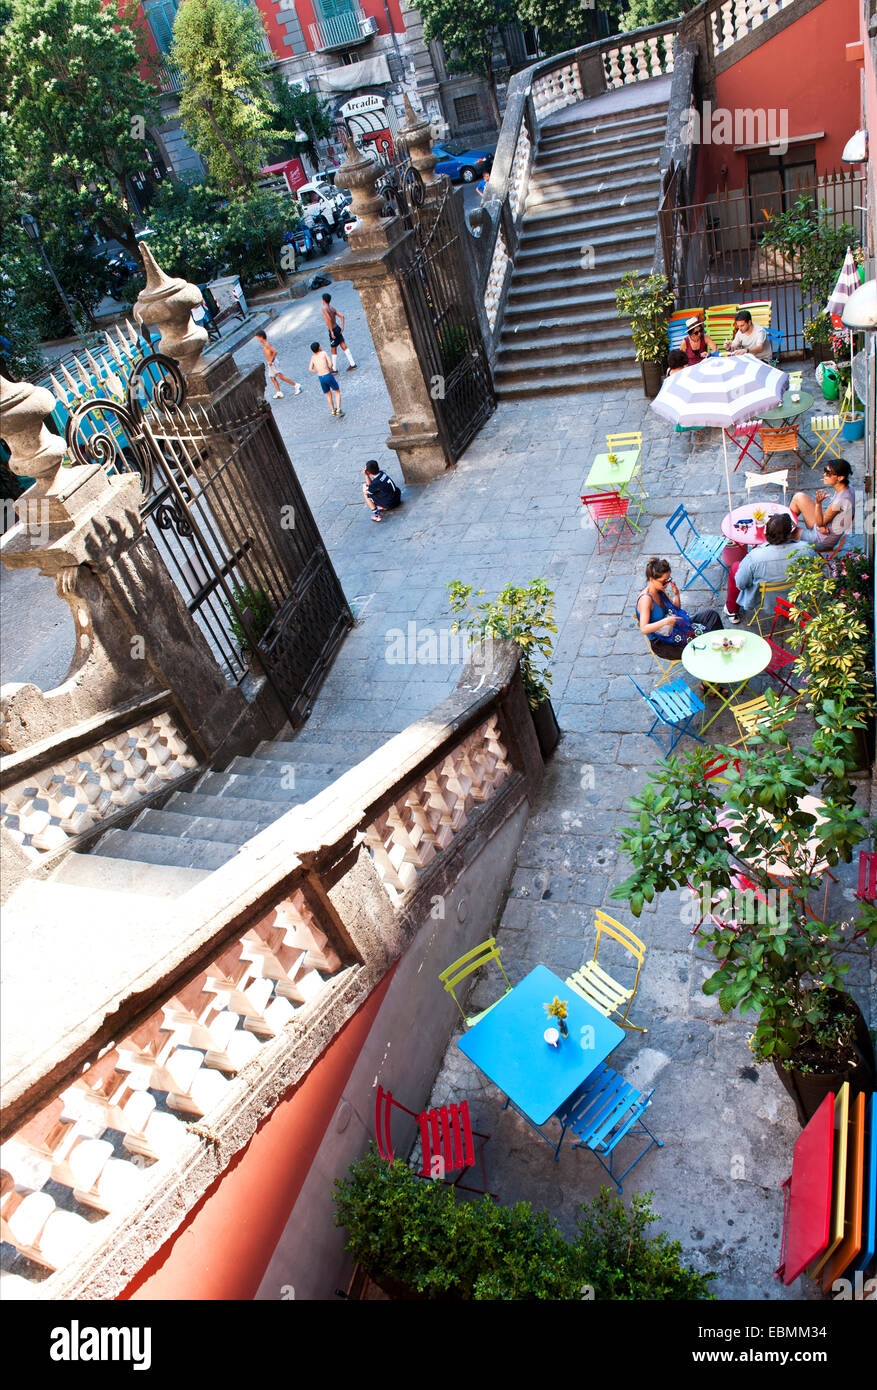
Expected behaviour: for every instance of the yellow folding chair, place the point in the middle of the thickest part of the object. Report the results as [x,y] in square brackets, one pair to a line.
[827,429]
[719,323]
[599,988]
[466,965]
[749,716]
[667,668]
[764,613]
[624,443]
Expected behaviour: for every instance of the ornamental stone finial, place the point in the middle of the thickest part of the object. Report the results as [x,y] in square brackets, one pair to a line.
[166,304]
[417,135]
[35,452]
[360,175]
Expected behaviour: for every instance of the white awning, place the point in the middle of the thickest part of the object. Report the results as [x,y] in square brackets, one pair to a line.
[369,72]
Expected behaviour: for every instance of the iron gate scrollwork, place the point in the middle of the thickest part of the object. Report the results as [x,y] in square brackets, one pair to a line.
[439,302]
[224,507]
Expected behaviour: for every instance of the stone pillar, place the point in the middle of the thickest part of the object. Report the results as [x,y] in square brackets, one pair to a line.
[166,303]
[134,634]
[379,246]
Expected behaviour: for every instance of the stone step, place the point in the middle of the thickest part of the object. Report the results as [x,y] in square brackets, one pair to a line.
[575,359]
[249,788]
[596,230]
[604,337]
[575,187]
[311,745]
[163,849]
[564,383]
[640,199]
[560,315]
[534,268]
[139,880]
[604,145]
[556,290]
[552,131]
[288,754]
[217,829]
[196,803]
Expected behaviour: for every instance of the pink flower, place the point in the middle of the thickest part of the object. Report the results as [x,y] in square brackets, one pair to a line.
[857,595]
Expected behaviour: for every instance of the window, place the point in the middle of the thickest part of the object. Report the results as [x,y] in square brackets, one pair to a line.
[160,16]
[467,110]
[775,180]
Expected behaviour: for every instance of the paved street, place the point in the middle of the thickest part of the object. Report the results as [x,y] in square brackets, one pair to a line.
[511,511]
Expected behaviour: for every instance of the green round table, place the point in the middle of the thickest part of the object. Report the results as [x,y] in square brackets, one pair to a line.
[719,668]
[789,409]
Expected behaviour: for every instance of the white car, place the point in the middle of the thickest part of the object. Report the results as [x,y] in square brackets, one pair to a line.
[321,197]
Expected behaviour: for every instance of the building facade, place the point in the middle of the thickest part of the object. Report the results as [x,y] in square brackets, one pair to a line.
[342,50]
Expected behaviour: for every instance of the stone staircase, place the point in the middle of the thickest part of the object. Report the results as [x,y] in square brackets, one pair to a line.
[166,852]
[590,216]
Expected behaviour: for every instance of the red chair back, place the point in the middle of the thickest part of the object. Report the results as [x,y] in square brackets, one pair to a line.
[384,1106]
[603,505]
[446,1135]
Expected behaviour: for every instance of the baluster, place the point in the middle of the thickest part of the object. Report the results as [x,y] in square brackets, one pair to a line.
[741,19]
[612,68]
[642,67]
[655,57]
[629,69]
[727,24]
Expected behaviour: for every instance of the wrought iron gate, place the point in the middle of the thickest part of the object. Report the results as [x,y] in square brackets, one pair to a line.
[224,507]
[439,301]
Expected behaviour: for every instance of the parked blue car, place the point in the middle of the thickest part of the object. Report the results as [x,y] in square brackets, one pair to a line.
[468,167]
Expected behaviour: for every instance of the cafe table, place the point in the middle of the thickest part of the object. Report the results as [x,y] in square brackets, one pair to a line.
[751,535]
[789,410]
[734,668]
[508,1045]
[618,475]
[778,867]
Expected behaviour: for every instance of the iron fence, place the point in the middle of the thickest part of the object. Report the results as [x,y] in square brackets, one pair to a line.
[714,252]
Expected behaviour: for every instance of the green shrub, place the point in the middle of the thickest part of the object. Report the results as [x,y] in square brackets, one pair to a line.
[409,1232]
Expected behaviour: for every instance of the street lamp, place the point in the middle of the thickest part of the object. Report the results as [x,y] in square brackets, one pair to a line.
[32,231]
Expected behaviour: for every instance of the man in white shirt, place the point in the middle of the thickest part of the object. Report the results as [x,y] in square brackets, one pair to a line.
[748,337]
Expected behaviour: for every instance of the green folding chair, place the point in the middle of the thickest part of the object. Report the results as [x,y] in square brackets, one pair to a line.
[467,965]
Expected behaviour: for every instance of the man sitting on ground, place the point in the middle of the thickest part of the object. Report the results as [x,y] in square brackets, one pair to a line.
[379,490]
[749,337]
[764,564]
[824,528]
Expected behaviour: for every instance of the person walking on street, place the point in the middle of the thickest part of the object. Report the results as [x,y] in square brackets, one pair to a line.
[335,325]
[321,365]
[274,371]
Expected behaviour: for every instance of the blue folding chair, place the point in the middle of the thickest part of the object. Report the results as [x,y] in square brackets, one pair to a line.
[601,1113]
[675,705]
[698,551]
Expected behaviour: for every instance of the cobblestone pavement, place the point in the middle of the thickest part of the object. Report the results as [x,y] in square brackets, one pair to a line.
[511,511]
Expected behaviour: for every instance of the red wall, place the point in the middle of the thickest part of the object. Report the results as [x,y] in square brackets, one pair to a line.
[223,1247]
[306,15]
[802,69]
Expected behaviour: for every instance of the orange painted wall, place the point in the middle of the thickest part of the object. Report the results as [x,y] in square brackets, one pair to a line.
[802,69]
[222,1249]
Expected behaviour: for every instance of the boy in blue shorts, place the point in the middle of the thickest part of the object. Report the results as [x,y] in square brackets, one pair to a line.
[323,367]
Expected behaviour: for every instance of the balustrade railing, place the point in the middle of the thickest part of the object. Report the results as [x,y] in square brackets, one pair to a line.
[144,1101]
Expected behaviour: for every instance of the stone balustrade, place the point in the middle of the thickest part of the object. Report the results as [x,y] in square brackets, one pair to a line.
[136,1105]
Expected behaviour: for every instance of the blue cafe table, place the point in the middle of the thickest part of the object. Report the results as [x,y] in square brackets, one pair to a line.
[509,1047]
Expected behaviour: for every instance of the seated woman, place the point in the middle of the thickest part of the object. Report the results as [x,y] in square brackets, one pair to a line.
[823,527]
[696,345]
[676,361]
[661,617]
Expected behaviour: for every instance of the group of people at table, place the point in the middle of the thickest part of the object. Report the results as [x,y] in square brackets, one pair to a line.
[809,525]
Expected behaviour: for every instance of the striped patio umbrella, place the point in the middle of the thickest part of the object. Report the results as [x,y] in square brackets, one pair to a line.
[847,284]
[721,391]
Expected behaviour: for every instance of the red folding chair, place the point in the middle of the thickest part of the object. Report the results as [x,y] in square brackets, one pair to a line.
[866,891]
[744,435]
[781,660]
[446,1138]
[608,511]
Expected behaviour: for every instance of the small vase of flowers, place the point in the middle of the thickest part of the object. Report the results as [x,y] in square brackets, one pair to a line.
[557,1011]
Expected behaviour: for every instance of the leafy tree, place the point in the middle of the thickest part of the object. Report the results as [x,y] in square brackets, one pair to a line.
[226,106]
[199,234]
[469,31]
[562,25]
[299,110]
[77,112]
[643,13]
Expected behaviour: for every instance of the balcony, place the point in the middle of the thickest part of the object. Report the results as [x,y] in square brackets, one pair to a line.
[342,30]
[168,77]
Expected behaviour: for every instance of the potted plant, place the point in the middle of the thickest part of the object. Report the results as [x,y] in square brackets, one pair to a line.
[250,620]
[817,333]
[772,955]
[416,1240]
[525,615]
[647,301]
[815,246]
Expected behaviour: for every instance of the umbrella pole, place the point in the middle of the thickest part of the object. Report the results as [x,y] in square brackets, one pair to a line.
[727,474]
